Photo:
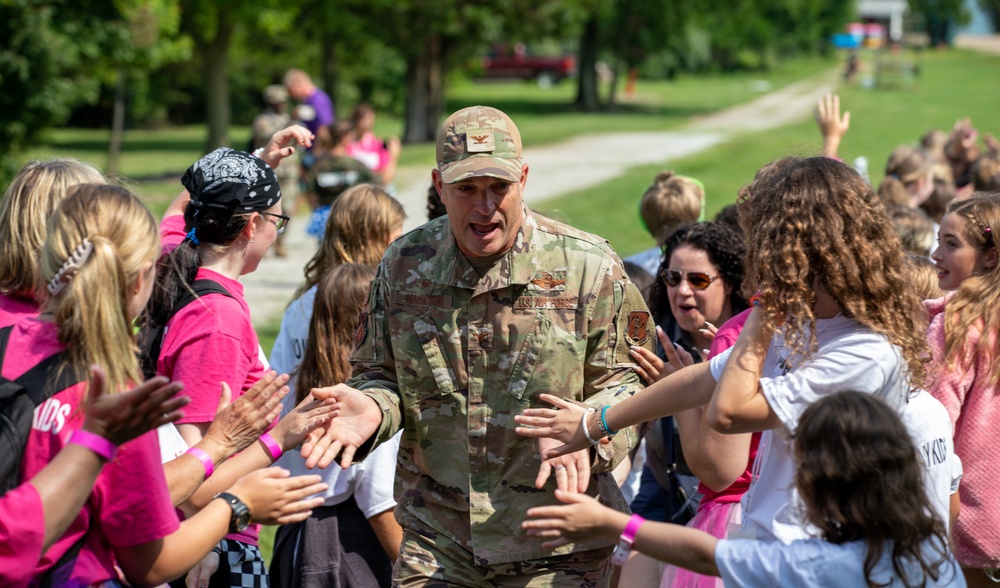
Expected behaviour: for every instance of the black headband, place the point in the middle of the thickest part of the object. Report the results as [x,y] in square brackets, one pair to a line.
[234,180]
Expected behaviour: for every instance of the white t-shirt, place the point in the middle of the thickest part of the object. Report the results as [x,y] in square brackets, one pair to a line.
[849,357]
[930,427]
[648,260]
[809,563]
[290,344]
[371,481]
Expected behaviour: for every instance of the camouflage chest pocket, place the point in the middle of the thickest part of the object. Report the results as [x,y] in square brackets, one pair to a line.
[550,359]
[429,368]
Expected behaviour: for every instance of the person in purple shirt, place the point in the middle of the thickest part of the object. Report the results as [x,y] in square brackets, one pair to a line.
[315,108]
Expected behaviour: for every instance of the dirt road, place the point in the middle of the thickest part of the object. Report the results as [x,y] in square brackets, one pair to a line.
[557,169]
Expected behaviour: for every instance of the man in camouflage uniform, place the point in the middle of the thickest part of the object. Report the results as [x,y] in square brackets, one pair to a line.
[470,318]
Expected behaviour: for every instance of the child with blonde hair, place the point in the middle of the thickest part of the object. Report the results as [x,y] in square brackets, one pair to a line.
[672,201]
[909,177]
[29,201]
[966,374]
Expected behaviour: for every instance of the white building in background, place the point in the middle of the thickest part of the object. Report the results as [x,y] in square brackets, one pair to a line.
[887,12]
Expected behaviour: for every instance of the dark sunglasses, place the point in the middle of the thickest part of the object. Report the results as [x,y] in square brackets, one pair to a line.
[698,280]
[281,222]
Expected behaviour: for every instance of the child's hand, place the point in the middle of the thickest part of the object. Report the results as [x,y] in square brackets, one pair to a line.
[832,125]
[561,423]
[580,517]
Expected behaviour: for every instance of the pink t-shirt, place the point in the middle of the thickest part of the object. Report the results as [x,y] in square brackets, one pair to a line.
[209,341]
[22,535]
[13,309]
[724,339]
[130,503]
[971,401]
[371,151]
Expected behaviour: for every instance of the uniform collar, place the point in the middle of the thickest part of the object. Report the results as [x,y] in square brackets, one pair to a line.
[451,267]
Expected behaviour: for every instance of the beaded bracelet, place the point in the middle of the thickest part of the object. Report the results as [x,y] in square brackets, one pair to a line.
[586,431]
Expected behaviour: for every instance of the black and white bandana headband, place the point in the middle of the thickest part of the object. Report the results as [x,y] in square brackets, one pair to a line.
[234,180]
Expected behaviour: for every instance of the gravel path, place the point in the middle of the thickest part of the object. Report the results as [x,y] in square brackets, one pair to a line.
[557,169]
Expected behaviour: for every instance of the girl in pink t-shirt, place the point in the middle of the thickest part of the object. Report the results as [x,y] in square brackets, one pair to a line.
[378,155]
[966,375]
[27,204]
[218,229]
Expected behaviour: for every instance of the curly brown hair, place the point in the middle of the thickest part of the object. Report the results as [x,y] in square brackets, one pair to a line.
[851,452]
[816,223]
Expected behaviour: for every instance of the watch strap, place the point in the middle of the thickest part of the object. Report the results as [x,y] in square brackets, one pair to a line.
[239,510]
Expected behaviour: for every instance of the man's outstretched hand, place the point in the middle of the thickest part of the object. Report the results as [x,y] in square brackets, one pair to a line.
[357,420]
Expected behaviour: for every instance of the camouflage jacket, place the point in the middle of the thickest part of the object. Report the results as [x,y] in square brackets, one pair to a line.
[451,357]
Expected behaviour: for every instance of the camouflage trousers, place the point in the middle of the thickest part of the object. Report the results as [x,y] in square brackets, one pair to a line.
[430,560]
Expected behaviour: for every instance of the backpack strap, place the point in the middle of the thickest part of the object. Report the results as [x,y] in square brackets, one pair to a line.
[45,378]
[199,288]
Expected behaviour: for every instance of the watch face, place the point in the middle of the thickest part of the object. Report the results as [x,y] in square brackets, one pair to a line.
[242,520]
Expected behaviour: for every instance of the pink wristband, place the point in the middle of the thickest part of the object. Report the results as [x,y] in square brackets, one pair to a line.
[204,459]
[272,446]
[625,541]
[95,443]
[632,528]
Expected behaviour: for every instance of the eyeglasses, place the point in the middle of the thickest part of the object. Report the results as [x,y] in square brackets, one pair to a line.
[698,280]
[280,223]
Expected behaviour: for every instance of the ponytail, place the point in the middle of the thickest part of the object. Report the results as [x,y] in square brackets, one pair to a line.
[100,239]
[213,227]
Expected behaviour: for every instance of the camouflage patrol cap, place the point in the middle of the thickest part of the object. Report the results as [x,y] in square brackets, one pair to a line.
[479,141]
[275,94]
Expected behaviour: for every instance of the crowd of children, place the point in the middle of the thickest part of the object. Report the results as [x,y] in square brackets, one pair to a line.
[824,377]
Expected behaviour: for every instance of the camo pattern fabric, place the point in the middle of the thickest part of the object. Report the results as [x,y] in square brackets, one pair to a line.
[428,559]
[451,357]
[479,141]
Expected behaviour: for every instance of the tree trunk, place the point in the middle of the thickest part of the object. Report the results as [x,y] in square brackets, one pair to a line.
[424,92]
[329,67]
[117,124]
[613,90]
[587,98]
[215,54]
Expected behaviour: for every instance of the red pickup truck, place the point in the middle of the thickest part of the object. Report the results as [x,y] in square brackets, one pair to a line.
[502,63]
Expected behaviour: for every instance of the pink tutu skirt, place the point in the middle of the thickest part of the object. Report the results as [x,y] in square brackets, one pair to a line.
[713,518]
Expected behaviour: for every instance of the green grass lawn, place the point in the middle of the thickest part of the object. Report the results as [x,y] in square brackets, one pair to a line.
[153,160]
[951,85]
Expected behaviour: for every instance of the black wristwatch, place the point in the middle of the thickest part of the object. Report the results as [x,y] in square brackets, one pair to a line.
[241,514]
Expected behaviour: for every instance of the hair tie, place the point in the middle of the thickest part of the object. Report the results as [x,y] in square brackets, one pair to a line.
[76,260]
[192,238]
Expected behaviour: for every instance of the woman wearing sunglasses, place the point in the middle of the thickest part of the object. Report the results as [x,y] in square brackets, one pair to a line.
[217,230]
[698,287]
[834,311]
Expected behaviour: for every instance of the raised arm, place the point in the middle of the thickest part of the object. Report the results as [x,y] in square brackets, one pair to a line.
[235,427]
[64,485]
[832,125]
[687,388]
[272,498]
[739,404]
[582,516]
